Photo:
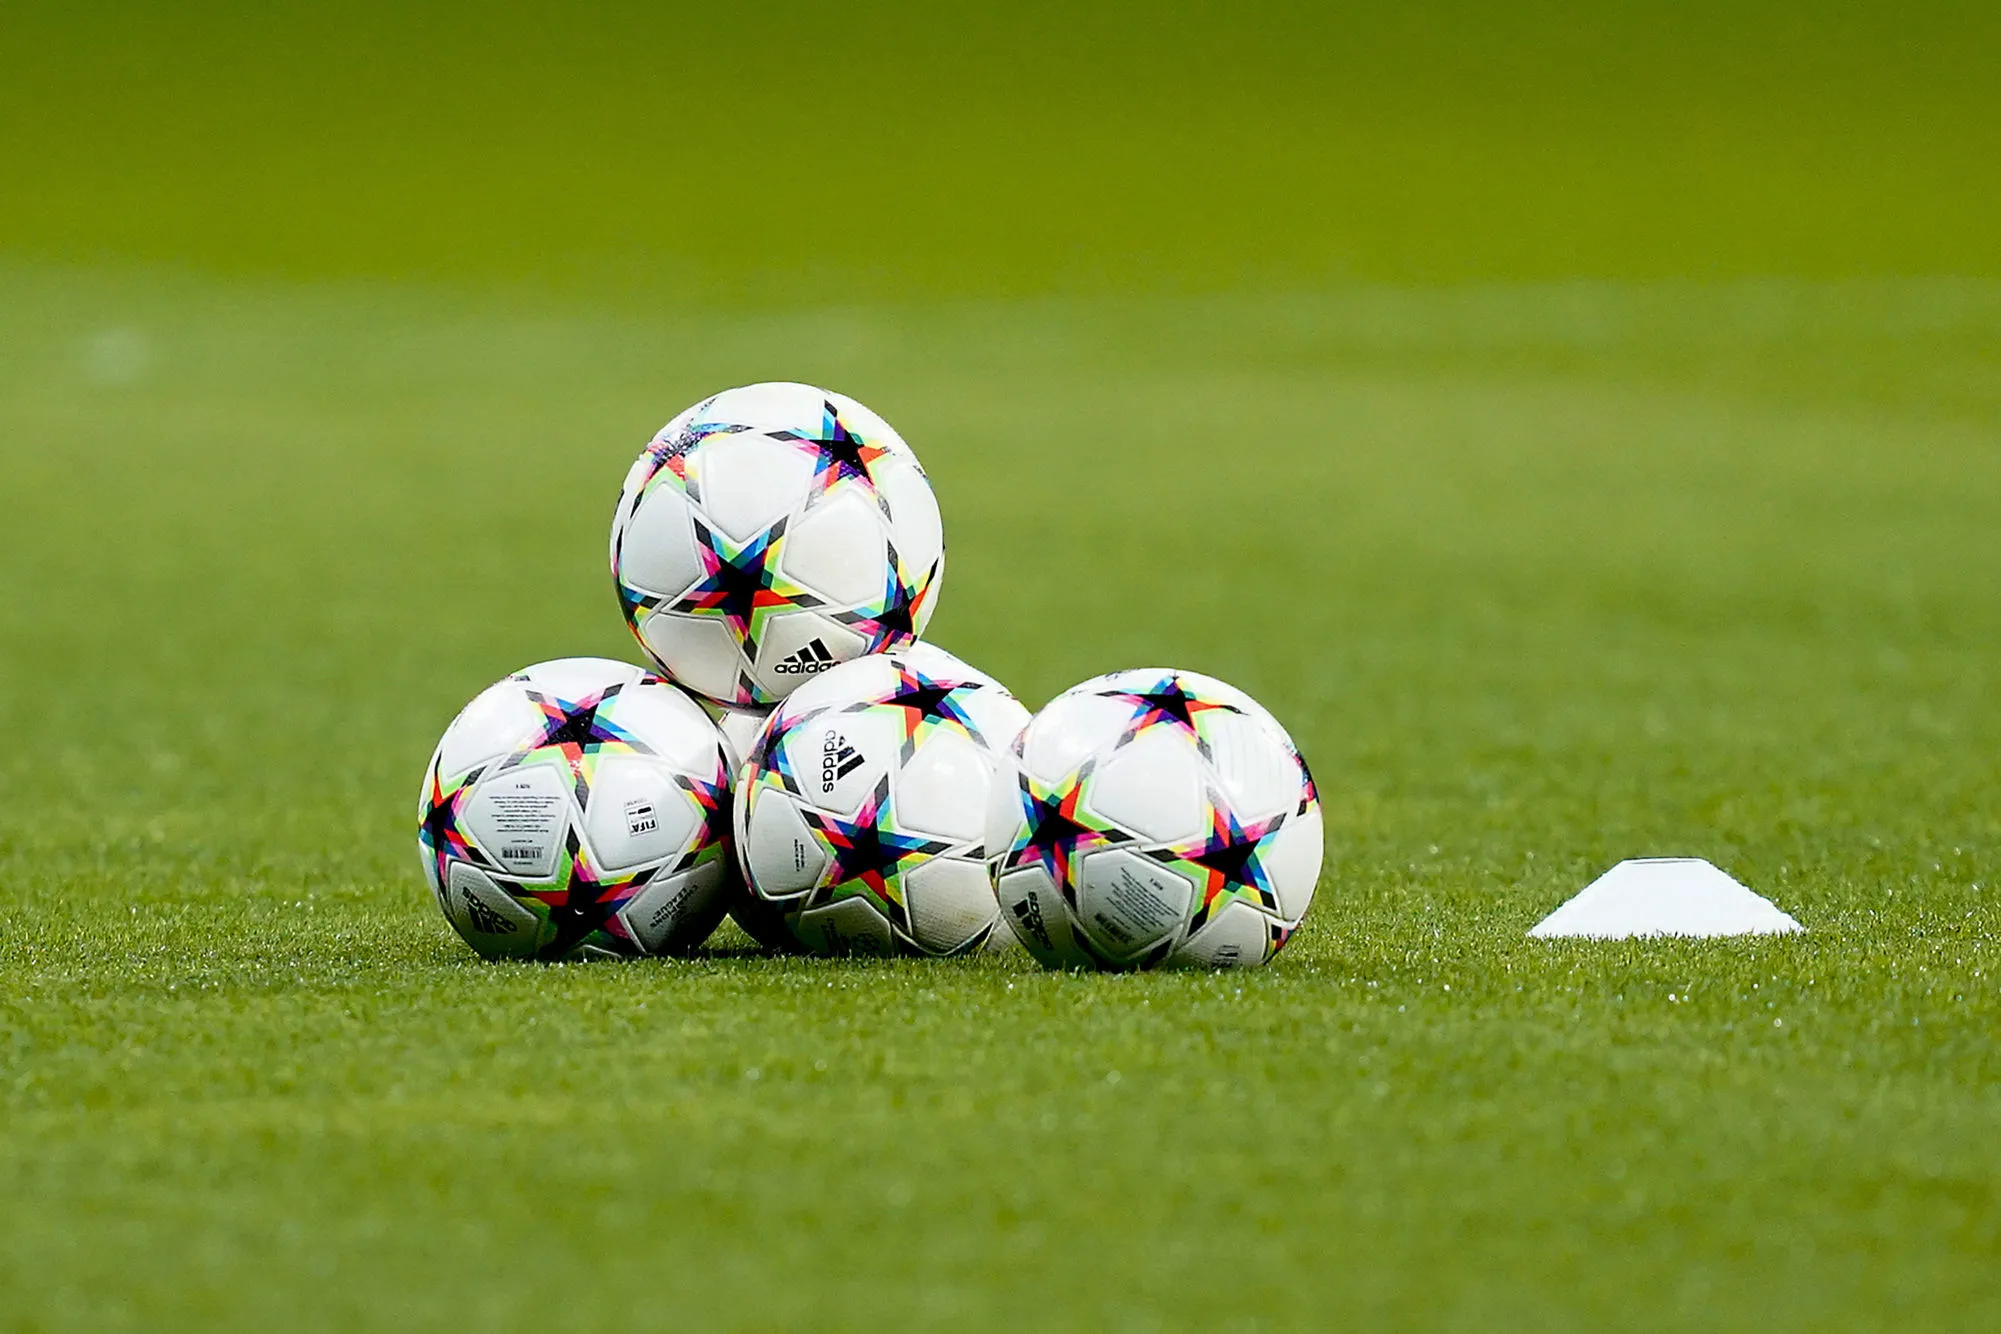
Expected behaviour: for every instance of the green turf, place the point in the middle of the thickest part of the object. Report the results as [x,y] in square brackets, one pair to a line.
[1539,576]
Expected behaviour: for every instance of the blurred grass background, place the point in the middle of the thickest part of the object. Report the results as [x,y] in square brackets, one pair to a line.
[814,154]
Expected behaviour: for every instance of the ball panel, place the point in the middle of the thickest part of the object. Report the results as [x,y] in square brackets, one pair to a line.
[1151,787]
[1294,861]
[999,716]
[656,551]
[781,857]
[835,760]
[637,814]
[679,911]
[668,722]
[798,646]
[697,651]
[932,660]
[837,548]
[748,481]
[951,903]
[1071,729]
[492,921]
[1253,766]
[942,788]
[915,525]
[771,405]
[1128,903]
[578,678]
[519,819]
[1005,817]
[636,476]
[1035,912]
[1238,936]
[847,927]
[499,721]
[858,680]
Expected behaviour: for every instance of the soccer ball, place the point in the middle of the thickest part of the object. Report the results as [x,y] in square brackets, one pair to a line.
[1154,817]
[579,809]
[861,819]
[770,533]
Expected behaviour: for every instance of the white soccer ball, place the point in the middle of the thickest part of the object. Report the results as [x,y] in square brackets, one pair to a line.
[769,533]
[1154,817]
[579,809]
[861,813]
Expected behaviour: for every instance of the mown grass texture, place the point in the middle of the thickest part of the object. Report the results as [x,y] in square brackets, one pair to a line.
[1539,577]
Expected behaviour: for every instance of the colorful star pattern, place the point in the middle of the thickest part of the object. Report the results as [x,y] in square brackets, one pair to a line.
[575,730]
[1167,704]
[839,453]
[1059,830]
[892,620]
[741,585]
[584,903]
[438,831]
[588,899]
[870,859]
[767,751]
[669,453]
[1229,861]
[1309,792]
[923,705]
[713,799]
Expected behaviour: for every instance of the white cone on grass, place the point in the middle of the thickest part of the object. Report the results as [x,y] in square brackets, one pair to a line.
[1665,896]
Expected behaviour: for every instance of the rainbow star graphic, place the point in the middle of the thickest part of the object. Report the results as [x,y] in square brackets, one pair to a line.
[440,831]
[870,858]
[584,902]
[667,455]
[1167,704]
[578,732]
[1230,861]
[713,799]
[892,619]
[839,454]
[925,704]
[741,585]
[1059,831]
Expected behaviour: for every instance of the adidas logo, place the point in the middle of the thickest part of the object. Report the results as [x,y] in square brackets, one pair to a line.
[813,658]
[484,918]
[1029,910]
[837,760]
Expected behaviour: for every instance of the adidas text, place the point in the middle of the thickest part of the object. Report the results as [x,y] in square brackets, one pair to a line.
[837,760]
[807,661]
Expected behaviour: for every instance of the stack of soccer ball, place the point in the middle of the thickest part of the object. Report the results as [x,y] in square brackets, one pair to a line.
[800,761]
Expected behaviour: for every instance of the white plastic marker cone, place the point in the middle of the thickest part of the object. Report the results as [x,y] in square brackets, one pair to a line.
[1665,896]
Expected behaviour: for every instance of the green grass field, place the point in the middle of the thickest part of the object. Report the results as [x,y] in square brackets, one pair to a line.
[1539,576]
